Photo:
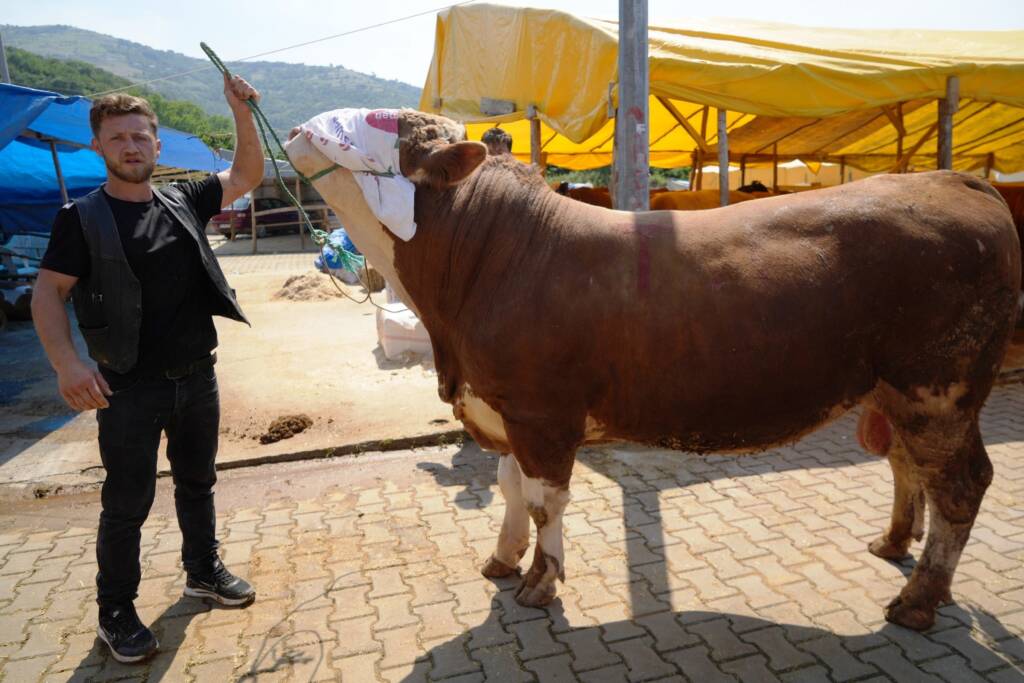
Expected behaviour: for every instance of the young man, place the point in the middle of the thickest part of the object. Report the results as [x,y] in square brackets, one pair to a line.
[145,285]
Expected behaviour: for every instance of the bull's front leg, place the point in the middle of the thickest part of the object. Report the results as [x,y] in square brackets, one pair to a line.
[514,538]
[545,501]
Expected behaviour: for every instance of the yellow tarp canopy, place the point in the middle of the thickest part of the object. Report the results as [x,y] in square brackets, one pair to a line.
[817,94]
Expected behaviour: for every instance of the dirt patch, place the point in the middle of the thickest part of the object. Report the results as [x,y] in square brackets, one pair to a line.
[285,427]
[308,287]
[318,286]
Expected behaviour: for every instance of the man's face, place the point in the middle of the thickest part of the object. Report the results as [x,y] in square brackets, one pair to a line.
[494,148]
[128,146]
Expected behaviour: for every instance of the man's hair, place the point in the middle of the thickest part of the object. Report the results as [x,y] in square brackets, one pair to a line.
[119,104]
[496,136]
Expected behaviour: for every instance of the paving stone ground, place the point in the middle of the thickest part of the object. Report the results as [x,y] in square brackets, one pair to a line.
[679,568]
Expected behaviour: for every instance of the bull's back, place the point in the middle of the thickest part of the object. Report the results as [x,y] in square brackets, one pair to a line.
[745,325]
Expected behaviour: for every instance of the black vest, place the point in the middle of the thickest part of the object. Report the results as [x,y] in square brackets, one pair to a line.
[108,303]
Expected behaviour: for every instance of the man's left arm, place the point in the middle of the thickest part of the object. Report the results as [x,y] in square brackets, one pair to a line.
[246,170]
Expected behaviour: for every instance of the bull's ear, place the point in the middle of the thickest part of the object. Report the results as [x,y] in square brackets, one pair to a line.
[451,164]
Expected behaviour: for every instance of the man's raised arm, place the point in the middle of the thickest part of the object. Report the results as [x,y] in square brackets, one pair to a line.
[246,170]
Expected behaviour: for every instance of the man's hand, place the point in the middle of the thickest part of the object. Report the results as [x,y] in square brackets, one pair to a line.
[83,387]
[237,91]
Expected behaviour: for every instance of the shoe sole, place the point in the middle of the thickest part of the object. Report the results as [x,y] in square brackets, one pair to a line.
[123,658]
[216,597]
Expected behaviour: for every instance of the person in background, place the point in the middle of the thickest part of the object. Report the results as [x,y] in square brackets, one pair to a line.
[498,141]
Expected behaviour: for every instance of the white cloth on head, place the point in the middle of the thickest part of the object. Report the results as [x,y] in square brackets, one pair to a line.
[365,141]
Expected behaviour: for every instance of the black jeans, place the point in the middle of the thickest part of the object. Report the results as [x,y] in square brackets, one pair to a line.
[188,409]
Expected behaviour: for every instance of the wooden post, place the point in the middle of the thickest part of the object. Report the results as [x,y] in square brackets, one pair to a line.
[775,168]
[743,170]
[723,159]
[535,143]
[842,170]
[947,107]
[302,224]
[694,161]
[632,142]
[990,161]
[900,130]
[700,156]
[252,218]
[60,175]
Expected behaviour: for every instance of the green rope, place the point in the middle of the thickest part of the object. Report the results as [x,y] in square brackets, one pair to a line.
[350,261]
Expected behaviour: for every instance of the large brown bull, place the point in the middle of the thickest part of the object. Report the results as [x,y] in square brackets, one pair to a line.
[556,324]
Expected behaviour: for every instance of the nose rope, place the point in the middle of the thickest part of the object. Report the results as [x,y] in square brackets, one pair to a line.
[355,263]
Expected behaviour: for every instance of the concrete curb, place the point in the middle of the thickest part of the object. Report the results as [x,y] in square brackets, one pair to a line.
[68,484]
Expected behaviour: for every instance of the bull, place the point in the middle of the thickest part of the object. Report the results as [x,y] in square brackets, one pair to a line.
[557,324]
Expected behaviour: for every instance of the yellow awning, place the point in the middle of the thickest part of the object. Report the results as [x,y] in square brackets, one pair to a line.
[818,94]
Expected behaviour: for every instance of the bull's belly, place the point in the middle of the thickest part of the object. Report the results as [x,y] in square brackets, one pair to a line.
[487,428]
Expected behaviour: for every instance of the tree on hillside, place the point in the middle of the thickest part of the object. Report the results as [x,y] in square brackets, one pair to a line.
[71,77]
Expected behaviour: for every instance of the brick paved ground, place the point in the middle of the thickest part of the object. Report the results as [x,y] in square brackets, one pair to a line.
[679,568]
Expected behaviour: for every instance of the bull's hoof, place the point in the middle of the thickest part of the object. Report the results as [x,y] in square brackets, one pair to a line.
[909,615]
[539,594]
[496,569]
[887,550]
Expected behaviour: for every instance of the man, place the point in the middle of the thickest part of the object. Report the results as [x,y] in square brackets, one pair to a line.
[497,141]
[145,286]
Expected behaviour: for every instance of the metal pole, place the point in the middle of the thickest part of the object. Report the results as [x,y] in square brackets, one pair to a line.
[723,159]
[632,152]
[947,107]
[252,217]
[298,196]
[5,75]
[775,168]
[60,175]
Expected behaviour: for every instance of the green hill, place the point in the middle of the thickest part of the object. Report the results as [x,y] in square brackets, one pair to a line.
[70,77]
[292,93]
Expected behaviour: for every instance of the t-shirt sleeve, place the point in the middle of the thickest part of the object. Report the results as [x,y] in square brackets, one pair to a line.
[205,196]
[67,251]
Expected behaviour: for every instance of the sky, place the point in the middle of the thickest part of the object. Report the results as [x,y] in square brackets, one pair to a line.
[402,50]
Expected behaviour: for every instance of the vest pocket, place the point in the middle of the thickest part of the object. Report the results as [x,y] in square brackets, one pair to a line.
[96,342]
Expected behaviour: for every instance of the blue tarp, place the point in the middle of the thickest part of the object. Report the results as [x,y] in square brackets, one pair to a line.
[29,192]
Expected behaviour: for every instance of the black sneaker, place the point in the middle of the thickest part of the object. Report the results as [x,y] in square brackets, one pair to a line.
[220,585]
[126,636]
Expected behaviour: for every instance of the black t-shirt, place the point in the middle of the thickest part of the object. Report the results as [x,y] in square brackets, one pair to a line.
[177,324]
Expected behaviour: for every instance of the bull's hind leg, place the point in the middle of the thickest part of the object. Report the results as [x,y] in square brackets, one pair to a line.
[907,507]
[514,538]
[955,471]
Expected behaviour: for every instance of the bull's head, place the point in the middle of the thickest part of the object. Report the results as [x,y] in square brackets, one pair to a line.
[433,150]
[433,153]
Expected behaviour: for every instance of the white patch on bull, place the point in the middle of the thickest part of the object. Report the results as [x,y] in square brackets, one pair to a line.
[418,176]
[514,537]
[546,504]
[341,192]
[940,400]
[981,247]
[476,411]
[594,430]
[945,542]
